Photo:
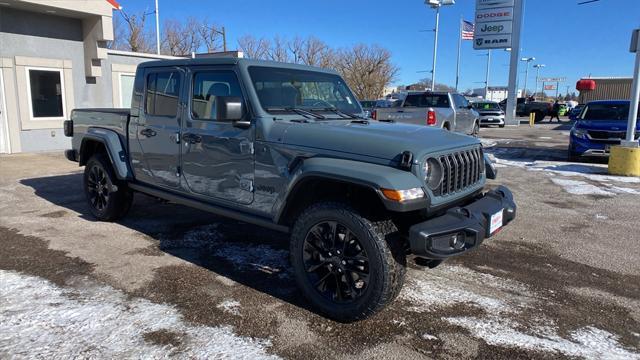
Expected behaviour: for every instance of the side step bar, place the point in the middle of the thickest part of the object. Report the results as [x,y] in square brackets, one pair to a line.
[218,210]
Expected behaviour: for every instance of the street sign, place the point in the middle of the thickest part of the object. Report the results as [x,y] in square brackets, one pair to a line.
[486,4]
[492,41]
[494,24]
[499,14]
[493,28]
[552,79]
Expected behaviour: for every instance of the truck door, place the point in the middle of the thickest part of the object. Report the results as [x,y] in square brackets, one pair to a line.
[464,115]
[158,127]
[217,157]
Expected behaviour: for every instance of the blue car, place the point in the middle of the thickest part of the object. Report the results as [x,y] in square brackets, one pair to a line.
[601,124]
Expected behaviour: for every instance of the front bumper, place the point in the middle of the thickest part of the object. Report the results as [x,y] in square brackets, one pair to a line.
[491,119]
[461,229]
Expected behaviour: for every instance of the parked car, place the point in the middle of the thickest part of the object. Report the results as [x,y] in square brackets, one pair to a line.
[490,112]
[575,112]
[601,124]
[285,147]
[367,107]
[563,109]
[444,110]
[524,107]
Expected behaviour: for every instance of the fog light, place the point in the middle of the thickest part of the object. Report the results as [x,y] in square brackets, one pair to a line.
[457,241]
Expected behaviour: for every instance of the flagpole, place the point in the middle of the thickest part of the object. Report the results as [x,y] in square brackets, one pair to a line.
[459,47]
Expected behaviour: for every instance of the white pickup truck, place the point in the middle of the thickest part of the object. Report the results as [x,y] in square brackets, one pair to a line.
[445,110]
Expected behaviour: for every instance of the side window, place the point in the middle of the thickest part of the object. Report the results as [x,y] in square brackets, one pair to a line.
[163,93]
[207,87]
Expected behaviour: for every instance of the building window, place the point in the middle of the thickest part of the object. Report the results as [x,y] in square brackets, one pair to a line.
[126,89]
[46,94]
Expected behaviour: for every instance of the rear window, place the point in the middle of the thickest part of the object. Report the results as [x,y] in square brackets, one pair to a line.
[606,111]
[427,100]
[486,106]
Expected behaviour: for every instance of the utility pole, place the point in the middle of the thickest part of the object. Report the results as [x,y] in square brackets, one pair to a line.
[157,29]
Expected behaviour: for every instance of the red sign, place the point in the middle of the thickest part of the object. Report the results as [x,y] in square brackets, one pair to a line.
[549,87]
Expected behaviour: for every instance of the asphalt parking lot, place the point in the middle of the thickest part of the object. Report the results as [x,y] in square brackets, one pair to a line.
[562,281]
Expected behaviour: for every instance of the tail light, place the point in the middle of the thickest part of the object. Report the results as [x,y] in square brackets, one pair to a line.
[374,114]
[431,117]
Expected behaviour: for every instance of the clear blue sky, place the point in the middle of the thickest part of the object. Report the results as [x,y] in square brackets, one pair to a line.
[571,40]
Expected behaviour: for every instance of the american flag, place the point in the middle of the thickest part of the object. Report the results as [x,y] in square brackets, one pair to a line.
[467,30]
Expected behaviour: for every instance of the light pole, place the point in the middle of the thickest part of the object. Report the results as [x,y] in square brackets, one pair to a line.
[436,4]
[486,80]
[157,29]
[538,66]
[526,74]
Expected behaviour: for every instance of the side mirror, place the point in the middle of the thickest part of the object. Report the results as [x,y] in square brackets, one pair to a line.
[229,108]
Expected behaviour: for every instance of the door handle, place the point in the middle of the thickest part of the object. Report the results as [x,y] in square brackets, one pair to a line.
[148,132]
[191,138]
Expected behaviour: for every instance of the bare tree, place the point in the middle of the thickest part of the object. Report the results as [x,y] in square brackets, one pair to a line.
[254,48]
[210,35]
[181,38]
[367,69]
[296,48]
[315,52]
[135,38]
[278,51]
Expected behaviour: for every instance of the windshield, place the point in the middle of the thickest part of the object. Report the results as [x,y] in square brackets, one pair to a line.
[606,111]
[486,106]
[427,100]
[279,89]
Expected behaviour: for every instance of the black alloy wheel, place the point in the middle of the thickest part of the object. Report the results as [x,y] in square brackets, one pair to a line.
[336,263]
[98,187]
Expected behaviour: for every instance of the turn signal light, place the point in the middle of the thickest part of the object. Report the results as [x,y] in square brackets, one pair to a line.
[431,117]
[403,195]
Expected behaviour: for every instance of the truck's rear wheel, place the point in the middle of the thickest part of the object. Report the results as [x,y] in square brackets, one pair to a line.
[347,266]
[109,199]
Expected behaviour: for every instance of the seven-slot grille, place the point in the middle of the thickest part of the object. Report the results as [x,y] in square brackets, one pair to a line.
[461,170]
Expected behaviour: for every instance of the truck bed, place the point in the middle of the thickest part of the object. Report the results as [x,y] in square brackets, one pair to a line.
[108,118]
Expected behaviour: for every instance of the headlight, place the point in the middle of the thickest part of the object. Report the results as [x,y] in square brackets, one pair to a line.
[403,195]
[579,133]
[432,172]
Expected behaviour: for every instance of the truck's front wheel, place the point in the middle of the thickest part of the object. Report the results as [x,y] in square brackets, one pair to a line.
[347,266]
[109,199]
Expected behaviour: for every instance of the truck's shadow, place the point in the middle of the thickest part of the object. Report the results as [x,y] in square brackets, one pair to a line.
[247,254]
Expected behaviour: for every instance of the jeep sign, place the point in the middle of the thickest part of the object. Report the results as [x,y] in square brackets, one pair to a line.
[500,14]
[493,28]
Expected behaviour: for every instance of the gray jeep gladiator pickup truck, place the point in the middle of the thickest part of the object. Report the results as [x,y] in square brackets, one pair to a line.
[285,147]
[444,110]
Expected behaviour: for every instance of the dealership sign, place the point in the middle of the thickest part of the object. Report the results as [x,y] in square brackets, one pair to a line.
[494,24]
[485,4]
[493,28]
[499,14]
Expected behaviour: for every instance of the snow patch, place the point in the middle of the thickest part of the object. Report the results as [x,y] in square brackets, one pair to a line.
[587,342]
[429,337]
[41,320]
[230,306]
[580,187]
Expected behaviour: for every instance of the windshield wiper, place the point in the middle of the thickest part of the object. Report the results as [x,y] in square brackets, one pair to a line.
[296,110]
[340,113]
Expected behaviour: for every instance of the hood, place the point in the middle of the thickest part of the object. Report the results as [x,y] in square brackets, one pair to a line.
[376,139]
[611,125]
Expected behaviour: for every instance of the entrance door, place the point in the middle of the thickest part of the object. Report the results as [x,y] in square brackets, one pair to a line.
[158,127]
[217,157]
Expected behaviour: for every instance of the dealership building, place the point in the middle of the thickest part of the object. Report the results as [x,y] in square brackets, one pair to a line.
[54,58]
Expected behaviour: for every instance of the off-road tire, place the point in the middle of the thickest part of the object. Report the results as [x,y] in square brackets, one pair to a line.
[120,197]
[384,249]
